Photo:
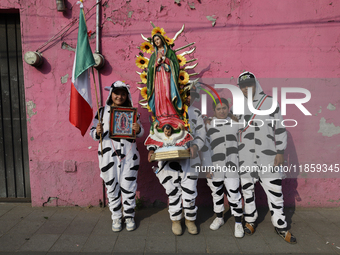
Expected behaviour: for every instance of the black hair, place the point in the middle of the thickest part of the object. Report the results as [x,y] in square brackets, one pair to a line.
[247,83]
[161,37]
[226,102]
[167,126]
[223,100]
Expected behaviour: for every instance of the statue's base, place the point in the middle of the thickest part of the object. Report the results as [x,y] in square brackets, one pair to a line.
[170,155]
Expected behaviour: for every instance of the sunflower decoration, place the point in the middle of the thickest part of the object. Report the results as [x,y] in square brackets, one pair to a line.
[157,30]
[186,123]
[142,62]
[168,40]
[185,108]
[183,77]
[146,47]
[143,77]
[181,60]
[144,93]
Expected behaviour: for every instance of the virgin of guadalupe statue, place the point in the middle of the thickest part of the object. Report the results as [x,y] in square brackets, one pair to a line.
[167,83]
[163,94]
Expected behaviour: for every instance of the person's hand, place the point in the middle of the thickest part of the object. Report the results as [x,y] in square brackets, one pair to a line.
[99,129]
[180,126]
[160,54]
[207,121]
[135,127]
[209,175]
[160,58]
[149,155]
[279,160]
[193,151]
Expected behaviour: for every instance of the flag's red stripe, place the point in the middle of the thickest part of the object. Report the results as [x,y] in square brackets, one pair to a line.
[80,111]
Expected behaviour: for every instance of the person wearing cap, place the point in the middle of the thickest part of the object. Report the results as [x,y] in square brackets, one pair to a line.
[119,159]
[262,141]
[179,178]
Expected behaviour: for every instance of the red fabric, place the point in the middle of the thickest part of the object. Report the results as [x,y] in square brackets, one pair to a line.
[150,141]
[80,111]
[165,111]
[186,139]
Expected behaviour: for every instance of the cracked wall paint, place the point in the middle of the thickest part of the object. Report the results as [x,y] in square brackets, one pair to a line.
[65,46]
[30,107]
[328,129]
[192,6]
[64,79]
[331,107]
[212,19]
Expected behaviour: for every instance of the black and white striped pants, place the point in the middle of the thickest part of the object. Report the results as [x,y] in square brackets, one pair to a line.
[180,186]
[273,190]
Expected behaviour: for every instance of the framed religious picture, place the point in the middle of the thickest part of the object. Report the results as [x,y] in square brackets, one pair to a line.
[121,120]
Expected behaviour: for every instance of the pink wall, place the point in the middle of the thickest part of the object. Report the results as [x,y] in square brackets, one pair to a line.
[285,43]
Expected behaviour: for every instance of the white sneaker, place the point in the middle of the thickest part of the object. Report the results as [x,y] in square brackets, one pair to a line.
[116,225]
[217,223]
[130,224]
[239,231]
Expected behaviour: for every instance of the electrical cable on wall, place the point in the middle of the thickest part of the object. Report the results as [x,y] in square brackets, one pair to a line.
[68,26]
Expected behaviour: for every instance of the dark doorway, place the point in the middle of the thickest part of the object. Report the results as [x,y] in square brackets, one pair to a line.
[14,165]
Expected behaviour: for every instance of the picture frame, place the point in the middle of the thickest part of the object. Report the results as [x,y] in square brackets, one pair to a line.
[121,120]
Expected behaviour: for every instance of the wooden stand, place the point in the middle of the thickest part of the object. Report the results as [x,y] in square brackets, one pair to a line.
[170,155]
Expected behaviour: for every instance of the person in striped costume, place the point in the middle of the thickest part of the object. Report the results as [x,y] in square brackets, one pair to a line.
[262,141]
[222,137]
[119,159]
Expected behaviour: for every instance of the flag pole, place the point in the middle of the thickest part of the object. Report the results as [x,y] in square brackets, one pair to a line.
[100,122]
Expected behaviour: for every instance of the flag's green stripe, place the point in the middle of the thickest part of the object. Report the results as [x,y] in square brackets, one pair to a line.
[84,57]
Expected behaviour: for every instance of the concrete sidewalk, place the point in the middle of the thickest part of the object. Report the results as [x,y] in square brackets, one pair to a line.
[70,230]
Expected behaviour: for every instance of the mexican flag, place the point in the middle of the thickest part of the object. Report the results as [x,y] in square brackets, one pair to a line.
[81,103]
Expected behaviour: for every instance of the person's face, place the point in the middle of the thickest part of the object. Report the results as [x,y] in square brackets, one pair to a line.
[119,97]
[187,101]
[244,89]
[158,41]
[221,111]
[167,132]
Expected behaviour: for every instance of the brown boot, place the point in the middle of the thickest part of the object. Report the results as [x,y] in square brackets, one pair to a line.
[192,229]
[176,227]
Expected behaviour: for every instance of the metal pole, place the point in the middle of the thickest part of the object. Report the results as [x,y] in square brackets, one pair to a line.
[99,84]
[98,48]
[97,25]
